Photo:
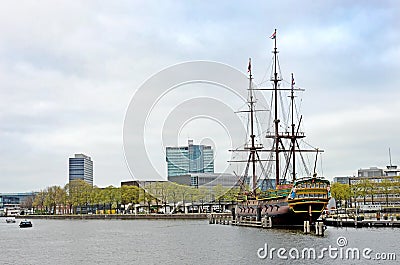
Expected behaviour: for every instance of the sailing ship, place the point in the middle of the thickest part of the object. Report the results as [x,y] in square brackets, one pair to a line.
[290,200]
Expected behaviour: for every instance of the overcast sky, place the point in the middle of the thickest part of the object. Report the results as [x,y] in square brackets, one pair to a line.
[68,70]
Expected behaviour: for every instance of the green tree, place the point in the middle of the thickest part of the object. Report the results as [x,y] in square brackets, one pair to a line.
[146,197]
[204,195]
[341,192]
[28,202]
[184,192]
[129,195]
[112,197]
[162,193]
[193,195]
[55,196]
[232,194]
[219,194]
[386,188]
[364,187]
[173,193]
[38,201]
[78,193]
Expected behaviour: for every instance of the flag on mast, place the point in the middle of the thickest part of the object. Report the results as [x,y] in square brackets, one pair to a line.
[249,67]
[273,36]
[293,83]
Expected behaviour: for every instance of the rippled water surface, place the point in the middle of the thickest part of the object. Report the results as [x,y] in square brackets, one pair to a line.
[177,242]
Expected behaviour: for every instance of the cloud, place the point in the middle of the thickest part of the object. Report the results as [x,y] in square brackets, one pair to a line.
[69,69]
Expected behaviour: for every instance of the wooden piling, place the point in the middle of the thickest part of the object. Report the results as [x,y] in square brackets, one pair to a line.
[306,227]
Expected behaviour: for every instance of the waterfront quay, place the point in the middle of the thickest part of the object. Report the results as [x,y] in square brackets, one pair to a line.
[265,222]
[366,216]
[359,222]
[194,216]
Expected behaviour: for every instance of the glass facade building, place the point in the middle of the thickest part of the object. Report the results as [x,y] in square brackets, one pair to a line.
[189,159]
[81,167]
[13,201]
[208,180]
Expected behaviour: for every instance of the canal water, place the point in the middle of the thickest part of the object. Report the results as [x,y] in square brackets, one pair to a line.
[189,242]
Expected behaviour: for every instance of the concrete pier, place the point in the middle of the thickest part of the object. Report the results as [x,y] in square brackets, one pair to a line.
[344,222]
[220,218]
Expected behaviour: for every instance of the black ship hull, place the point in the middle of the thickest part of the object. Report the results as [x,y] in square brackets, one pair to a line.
[283,212]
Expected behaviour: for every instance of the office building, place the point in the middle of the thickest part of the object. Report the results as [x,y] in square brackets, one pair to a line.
[342,180]
[208,180]
[81,167]
[370,172]
[189,159]
[11,203]
[378,186]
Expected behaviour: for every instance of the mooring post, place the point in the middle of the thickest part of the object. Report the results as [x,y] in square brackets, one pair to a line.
[322,228]
[319,228]
[258,214]
[306,227]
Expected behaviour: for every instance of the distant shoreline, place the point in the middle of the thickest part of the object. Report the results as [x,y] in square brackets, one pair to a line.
[116,216]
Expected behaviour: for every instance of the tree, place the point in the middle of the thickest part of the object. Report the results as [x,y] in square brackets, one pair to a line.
[341,192]
[146,197]
[184,192]
[162,193]
[55,196]
[129,194]
[365,187]
[232,194]
[204,195]
[219,194]
[28,202]
[194,195]
[112,196]
[38,201]
[386,187]
[173,193]
[78,193]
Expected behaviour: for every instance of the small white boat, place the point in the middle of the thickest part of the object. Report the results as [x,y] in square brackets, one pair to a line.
[10,220]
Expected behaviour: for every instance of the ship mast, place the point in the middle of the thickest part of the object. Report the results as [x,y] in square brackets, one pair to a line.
[293,130]
[276,120]
[252,136]
[251,147]
[278,146]
[294,134]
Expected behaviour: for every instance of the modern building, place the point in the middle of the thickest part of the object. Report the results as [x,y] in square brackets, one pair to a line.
[391,171]
[370,172]
[11,203]
[382,186]
[81,167]
[189,159]
[208,180]
[342,180]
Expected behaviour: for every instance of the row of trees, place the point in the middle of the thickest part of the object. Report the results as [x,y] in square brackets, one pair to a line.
[366,188]
[78,194]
